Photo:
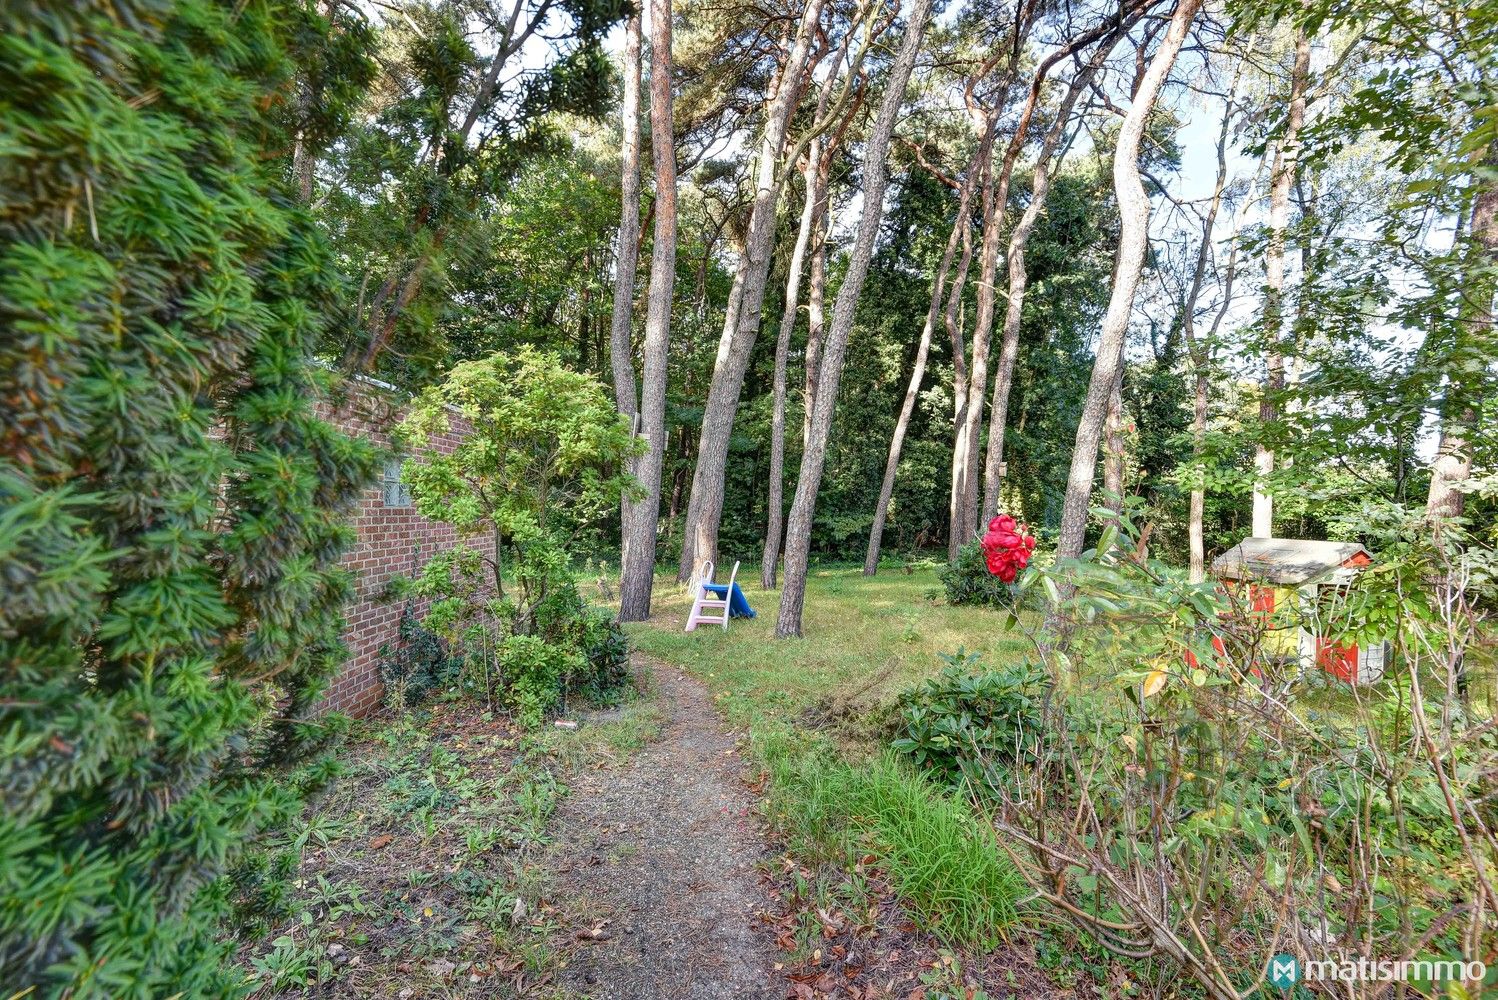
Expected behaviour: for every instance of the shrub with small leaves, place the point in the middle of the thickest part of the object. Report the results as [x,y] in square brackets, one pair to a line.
[172,512]
[418,662]
[543,453]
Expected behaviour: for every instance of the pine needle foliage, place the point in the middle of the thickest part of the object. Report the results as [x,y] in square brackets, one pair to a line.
[171,510]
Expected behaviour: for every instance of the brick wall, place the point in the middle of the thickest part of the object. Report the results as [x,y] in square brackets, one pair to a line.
[393,540]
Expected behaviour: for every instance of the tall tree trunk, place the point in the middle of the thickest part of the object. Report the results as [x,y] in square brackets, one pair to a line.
[642,522]
[1281,179]
[1134,211]
[1453,462]
[621,341]
[1199,351]
[966,446]
[1040,187]
[816,307]
[771,556]
[996,200]
[918,371]
[955,322]
[621,346]
[876,178]
[1114,459]
[700,539]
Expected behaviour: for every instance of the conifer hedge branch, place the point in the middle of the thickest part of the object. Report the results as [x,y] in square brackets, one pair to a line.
[172,512]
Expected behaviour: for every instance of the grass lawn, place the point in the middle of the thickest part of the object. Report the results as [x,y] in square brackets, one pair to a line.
[865,640]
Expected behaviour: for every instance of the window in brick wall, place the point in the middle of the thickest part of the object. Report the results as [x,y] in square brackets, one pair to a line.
[396,493]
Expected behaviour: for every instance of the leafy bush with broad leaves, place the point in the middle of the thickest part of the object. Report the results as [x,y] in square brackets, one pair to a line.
[542,455]
[968,723]
[172,512]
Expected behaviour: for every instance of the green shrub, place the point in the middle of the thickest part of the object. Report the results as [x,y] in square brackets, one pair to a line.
[172,514]
[546,448]
[606,649]
[968,581]
[533,670]
[1265,808]
[966,723]
[416,664]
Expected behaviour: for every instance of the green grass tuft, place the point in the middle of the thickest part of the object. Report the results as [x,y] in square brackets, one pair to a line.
[944,862]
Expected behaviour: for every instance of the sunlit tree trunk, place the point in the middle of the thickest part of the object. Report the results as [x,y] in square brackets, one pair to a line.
[1453,462]
[955,321]
[967,444]
[1199,351]
[1134,212]
[642,521]
[918,371]
[621,345]
[1281,179]
[1114,459]
[816,307]
[1018,281]
[700,539]
[995,194]
[771,556]
[875,178]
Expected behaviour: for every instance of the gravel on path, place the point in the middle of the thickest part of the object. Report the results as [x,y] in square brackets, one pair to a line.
[655,866]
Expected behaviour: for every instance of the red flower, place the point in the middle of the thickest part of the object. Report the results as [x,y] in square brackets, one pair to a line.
[1006,547]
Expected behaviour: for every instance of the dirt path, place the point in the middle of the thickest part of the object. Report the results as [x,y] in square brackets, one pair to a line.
[661,856]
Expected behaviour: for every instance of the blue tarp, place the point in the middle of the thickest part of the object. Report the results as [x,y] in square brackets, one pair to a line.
[738,604]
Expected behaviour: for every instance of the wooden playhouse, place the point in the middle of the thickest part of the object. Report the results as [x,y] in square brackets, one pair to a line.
[1306,581]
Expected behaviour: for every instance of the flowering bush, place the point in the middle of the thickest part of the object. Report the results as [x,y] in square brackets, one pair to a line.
[1007,547]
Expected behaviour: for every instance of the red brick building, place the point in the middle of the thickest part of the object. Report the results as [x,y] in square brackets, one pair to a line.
[393,540]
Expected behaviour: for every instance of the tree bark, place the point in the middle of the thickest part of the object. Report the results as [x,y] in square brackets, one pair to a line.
[876,178]
[955,323]
[1114,458]
[705,510]
[1282,177]
[1201,352]
[816,308]
[1019,240]
[642,521]
[966,446]
[626,263]
[1134,211]
[771,556]
[918,371]
[1453,461]
[996,200]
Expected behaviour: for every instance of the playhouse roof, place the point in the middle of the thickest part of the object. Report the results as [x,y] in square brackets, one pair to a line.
[1285,560]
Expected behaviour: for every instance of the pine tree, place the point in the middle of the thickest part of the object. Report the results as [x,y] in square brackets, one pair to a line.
[171,510]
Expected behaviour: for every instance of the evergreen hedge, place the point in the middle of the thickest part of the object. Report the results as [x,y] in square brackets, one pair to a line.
[171,511]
